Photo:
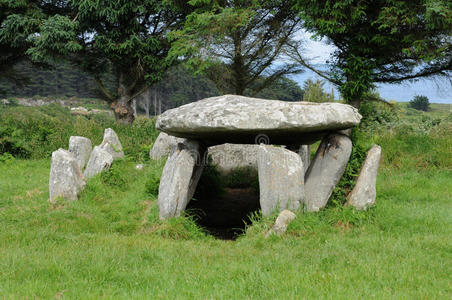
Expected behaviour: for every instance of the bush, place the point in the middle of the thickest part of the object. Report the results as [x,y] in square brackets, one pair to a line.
[420,103]
[35,132]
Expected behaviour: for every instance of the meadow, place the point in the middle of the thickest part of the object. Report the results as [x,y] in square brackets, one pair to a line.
[111,244]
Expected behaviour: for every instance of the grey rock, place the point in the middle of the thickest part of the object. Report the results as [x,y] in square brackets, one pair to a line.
[364,193]
[305,153]
[66,179]
[162,145]
[243,120]
[179,178]
[99,160]
[281,179]
[282,222]
[112,144]
[229,157]
[326,170]
[81,148]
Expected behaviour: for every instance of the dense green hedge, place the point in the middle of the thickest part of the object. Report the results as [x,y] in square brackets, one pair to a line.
[35,132]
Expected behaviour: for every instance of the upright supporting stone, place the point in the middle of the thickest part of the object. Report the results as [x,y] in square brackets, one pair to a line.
[326,170]
[305,153]
[66,179]
[80,147]
[281,179]
[364,193]
[230,157]
[180,177]
[112,144]
[162,145]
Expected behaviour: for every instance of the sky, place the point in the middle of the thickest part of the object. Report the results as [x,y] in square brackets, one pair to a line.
[438,91]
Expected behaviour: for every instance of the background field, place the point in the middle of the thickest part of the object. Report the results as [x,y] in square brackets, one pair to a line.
[111,244]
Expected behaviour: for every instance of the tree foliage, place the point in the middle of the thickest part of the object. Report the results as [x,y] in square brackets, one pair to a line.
[380,41]
[18,20]
[314,91]
[420,103]
[126,37]
[237,43]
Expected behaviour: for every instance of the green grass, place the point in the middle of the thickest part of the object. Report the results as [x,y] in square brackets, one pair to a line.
[111,244]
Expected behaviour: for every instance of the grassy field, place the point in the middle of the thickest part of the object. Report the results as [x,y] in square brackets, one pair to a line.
[110,243]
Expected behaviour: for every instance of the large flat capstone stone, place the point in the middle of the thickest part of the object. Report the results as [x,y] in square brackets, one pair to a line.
[244,120]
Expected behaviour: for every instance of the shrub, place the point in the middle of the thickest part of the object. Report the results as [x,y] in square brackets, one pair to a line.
[420,103]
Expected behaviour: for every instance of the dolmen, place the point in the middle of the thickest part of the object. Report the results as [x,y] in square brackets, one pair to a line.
[270,136]
[70,168]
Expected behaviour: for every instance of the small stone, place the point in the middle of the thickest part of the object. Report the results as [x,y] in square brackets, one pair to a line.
[179,178]
[112,144]
[326,170]
[139,167]
[81,148]
[100,160]
[281,223]
[364,193]
[281,179]
[162,146]
[66,179]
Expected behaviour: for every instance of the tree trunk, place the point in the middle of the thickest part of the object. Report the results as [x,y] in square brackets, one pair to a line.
[123,106]
[356,103]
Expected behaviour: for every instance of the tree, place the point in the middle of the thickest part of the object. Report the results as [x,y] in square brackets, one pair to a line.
[420,103]
[379,41]
[18,20]
[237,43]
[126,37]
[314,92]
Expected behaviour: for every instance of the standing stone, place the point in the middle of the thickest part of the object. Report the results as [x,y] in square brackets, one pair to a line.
[80,147]
[112,144]
[326,170]
[281,223]
[364,193]
[66,179]
[179,179]
[100,160]
[281,179]
[229,157]
[163,144]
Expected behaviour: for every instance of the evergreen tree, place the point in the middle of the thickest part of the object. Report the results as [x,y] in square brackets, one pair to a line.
[126,37]
[379,41]
[237,43]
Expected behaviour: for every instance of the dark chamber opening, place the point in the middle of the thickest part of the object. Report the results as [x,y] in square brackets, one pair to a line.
[223,204]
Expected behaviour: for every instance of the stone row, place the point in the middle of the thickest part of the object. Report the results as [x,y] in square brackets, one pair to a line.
[66,177]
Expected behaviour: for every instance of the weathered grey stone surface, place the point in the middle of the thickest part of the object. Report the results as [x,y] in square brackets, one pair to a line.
[81,148]
[238,119]
[179,178]
[112,144]
[99,160]
[66,179]
[305,153]
[282,222]
[326,170]
[281,179]
[229,157]
[364,193]
[162,145]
